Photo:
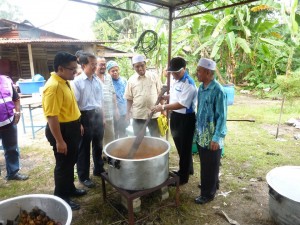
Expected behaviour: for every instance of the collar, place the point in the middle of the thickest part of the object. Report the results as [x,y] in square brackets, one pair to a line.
[210,86]
[184,77]
[147,74]
[58,78]
[84,76]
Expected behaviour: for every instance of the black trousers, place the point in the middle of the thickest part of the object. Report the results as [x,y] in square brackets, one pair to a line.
[137,125]
[182,130]
[209,166]
[92,122]
[64,167]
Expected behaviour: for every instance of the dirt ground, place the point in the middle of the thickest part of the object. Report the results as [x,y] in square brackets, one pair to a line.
[247,206]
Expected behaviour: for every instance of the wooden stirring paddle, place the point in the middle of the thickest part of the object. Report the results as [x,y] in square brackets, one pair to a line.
[139,138]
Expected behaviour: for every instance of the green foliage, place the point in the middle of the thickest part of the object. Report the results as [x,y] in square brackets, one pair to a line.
[221,25]
[125,66]
[273,42]
[289,86]
[252,43]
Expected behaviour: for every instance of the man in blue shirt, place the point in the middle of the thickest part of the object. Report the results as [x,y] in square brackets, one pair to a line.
[210,128]
[89,95]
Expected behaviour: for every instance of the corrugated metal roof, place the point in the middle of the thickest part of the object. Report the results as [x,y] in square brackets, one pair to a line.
[15,27]
[4,41]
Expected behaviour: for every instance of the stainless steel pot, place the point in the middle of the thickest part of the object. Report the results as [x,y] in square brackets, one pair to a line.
[284,195]
[56,208]
[149,168]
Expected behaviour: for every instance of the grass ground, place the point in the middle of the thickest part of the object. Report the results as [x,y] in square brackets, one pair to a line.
[251,151]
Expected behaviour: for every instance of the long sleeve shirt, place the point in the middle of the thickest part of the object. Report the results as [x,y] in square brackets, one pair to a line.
[211,115]
[88,92]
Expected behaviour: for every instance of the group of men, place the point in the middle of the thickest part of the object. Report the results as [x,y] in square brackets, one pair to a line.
[83,109]
[91,106]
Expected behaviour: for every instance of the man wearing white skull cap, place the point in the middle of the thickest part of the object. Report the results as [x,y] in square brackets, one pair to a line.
[141,93]
[210,128]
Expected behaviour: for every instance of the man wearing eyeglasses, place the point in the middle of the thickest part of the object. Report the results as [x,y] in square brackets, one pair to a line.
[63,129]
[89,95]
[182,103]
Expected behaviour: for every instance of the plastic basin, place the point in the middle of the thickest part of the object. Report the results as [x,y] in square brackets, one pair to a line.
[29,87]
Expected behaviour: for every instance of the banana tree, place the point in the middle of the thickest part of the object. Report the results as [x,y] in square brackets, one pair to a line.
[293,27]
[289,85]
[224,38]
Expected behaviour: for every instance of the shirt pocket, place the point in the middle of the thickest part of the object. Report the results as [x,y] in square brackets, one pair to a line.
[137,90]
[150,89]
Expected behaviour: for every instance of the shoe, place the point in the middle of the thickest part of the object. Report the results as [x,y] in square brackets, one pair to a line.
[73,205]
[18,176]
[79,192]
[88,183]
[202,199]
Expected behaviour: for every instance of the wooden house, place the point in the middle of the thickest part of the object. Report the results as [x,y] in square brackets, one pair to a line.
[26,50]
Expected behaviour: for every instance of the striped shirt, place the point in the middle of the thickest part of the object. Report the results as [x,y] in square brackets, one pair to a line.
[108,95]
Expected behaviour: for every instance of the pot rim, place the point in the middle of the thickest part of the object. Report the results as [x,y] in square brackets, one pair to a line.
[285,180]
[133,137]
[38,197]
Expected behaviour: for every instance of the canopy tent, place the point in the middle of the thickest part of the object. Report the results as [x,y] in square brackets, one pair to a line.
[169,10]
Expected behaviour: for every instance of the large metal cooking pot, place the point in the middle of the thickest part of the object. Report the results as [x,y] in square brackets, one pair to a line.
[149,167]
[284,195]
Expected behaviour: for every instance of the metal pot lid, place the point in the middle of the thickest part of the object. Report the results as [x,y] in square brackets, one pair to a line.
[285,180]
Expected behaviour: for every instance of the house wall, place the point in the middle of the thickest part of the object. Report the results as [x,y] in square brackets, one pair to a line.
[9,63]
[43,56]
[18,58]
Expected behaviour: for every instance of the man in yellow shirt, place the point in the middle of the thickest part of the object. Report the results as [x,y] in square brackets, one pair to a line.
[63,130]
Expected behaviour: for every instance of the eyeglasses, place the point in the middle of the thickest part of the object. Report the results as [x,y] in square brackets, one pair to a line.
[101,64]
[71,69]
